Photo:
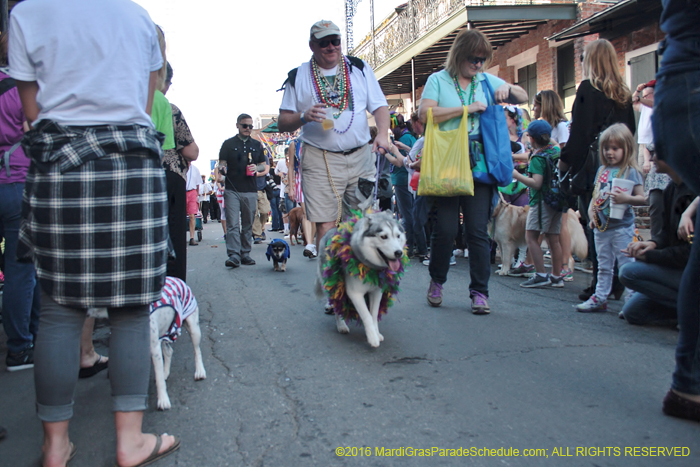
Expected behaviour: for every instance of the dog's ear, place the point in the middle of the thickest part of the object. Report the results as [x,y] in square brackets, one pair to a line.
[366,226]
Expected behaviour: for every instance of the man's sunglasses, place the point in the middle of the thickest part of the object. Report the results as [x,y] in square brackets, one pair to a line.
[323,43]
[246,126]
[476,60]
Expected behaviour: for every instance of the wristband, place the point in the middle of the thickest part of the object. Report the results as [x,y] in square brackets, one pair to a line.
[301,117]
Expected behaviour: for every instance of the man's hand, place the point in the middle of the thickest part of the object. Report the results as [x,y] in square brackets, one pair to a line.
[638,250]
[381,142]
[315,113]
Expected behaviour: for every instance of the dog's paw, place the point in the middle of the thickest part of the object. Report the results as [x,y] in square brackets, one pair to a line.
[200,375]
[164,403]
[373,341]
[381,338]
[342,326]
[501,272]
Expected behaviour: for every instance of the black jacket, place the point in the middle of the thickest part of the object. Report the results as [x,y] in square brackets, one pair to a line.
[589,114]
[671,251]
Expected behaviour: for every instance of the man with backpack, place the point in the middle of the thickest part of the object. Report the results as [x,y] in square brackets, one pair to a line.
[546,205]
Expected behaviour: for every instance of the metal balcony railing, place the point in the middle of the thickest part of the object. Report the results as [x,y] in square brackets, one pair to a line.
[416,18]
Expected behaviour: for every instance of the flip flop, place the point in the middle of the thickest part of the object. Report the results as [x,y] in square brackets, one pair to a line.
[73,452]
[155,455]
[99,365]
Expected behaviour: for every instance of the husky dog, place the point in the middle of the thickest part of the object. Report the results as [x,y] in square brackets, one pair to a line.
[371,246]
[278,251]
[177,304]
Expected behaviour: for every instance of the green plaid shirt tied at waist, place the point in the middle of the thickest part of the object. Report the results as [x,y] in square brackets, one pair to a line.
[94,214]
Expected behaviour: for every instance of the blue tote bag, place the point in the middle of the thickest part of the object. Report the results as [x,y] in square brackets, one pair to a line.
[495,164]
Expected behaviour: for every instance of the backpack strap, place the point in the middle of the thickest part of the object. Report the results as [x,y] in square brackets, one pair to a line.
[291,79]
[6,85]
[292,75]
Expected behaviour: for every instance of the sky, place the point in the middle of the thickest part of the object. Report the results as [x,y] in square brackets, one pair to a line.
[229,57]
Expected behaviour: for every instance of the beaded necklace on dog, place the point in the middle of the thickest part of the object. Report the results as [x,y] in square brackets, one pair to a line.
[339,95]
[470,99]
[340,261]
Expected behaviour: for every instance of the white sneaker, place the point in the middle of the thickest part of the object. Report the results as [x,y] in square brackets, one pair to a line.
[453,260]
[286,237]
[310,251]
[457,252]
[466,253]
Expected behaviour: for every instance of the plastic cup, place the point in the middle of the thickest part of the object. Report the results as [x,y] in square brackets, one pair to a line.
[328,122]
[620,185]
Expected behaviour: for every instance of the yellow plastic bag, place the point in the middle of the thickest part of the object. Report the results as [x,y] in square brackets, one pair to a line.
[446,169]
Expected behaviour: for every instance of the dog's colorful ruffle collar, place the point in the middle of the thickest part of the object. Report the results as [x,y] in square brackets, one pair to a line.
[340,260]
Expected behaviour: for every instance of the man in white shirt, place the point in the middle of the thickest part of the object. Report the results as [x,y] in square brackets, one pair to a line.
[205,190]
[193,183]
[328,98]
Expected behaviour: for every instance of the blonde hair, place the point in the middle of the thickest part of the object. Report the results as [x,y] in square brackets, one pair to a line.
[600,65]
[620,135]
[468,43]
[163,72]
[552,109]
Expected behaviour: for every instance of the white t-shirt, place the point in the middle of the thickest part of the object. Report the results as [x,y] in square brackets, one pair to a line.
[281,170]
[194,178]
[204,190]
[644,133]
[560,133]
[366,95]
[91,59]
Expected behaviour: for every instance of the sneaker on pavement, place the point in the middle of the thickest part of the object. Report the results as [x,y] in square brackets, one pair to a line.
[453,260]
[435,294]
[567,274]
[257,240]
[232,263]
[247,261]
[536,281]
[523,270]
[592,305]
[23,360]
[310,251]
[584,266]
[426,261]
[480,305]
[457,252]
[557,282]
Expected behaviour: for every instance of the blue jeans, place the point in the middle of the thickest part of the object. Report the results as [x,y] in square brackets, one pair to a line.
[656,293]
[289,204]
[421,208]
[476,212]
[676,124]
[404,199]
[20,300]
[277,222]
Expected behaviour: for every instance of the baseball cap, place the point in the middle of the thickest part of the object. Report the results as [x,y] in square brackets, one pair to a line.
[537,128]
[324,28]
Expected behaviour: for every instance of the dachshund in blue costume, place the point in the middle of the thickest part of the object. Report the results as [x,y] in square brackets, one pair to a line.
[278,251]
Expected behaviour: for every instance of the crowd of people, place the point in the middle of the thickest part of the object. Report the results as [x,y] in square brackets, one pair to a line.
[113,168]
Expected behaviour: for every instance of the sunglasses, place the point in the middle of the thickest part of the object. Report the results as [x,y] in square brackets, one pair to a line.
[323,43]
[476,60]
[245,126]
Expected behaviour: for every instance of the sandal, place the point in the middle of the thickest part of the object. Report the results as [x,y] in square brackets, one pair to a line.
[73,452]
[155,455]
[99,365]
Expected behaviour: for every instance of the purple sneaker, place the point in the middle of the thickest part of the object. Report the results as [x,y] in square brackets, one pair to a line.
[435,294]
[480,306]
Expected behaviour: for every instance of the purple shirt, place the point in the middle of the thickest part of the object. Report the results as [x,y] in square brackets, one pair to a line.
[11,132]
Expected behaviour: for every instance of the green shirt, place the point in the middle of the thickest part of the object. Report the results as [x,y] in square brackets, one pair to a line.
[162,116]
[538,165]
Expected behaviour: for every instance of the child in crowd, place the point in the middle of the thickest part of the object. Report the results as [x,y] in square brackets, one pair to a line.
[618,159]
[542,217]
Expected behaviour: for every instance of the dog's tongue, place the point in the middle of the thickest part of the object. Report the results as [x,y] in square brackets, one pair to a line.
[394,264]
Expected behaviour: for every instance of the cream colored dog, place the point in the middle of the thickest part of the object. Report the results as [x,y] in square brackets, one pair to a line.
[508,231]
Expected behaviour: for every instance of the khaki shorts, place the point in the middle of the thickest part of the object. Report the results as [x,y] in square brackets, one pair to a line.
[319,198]
[551,220]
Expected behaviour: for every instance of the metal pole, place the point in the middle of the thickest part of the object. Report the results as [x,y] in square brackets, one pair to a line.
[413,86]
[4,14]
[374,44]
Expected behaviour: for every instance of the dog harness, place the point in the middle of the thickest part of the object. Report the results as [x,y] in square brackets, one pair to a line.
[177,295]
[340,261]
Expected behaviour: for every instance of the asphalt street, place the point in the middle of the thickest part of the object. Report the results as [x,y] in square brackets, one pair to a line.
[446,387]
